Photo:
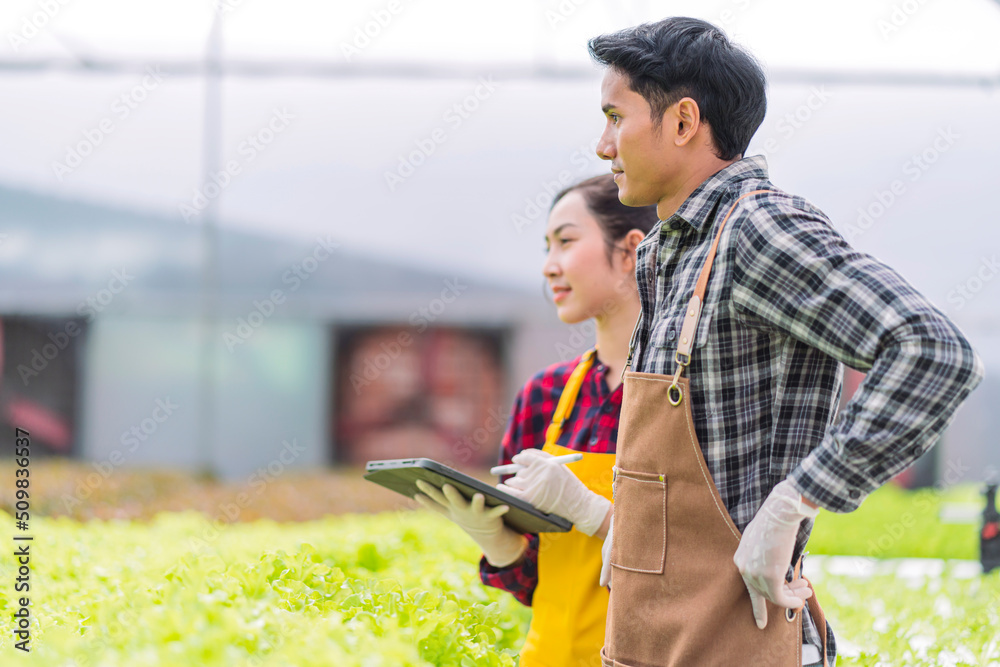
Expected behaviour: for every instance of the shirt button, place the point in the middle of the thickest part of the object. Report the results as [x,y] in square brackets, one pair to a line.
[607,407]
[593,441]
[854,493]
[676,224]
[671,334]
[915,450]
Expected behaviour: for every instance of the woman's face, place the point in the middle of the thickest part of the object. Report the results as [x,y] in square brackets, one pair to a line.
[583,283]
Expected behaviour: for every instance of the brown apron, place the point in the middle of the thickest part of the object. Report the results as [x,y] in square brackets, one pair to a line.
[677,598]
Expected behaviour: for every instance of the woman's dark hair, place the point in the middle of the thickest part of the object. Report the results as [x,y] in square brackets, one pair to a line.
[684,57]
[615,219]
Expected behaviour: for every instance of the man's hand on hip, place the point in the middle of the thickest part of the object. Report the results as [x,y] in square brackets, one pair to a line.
[765,551]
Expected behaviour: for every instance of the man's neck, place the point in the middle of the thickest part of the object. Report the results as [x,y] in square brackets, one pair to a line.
[697,174]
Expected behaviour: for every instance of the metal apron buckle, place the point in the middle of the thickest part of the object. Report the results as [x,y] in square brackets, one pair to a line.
[674,392]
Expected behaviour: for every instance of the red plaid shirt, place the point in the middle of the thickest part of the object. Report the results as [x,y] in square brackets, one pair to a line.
[592,426]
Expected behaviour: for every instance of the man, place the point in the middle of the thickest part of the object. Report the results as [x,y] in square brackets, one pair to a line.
[728,443]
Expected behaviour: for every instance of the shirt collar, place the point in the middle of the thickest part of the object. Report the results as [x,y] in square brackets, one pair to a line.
[699,205]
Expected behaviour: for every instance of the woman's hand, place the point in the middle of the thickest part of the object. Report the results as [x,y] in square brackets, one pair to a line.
[501,545]
[606,553]
[553,488]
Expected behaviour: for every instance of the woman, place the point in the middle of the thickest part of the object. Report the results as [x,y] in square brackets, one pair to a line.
[590,242]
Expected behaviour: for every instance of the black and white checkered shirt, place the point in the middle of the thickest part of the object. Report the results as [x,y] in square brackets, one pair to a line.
[789,302]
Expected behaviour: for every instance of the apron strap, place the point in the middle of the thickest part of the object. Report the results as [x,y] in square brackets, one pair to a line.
[690,326]
[631,347]
[568,398]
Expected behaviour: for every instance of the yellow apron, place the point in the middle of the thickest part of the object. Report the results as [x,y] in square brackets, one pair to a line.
[569,606]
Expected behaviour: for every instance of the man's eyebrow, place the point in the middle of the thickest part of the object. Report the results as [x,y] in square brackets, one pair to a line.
[608,107]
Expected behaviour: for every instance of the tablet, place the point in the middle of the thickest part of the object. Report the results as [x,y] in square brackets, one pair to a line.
[401,475]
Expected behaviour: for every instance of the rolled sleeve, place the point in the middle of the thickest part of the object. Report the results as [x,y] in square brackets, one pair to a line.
[795,273]
[519,579]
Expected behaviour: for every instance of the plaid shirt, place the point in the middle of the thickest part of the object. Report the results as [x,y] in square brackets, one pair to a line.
[789,302]
[592,426]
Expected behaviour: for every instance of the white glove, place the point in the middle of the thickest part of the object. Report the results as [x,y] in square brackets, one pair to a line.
[552,488]
[606,555]
[765,551]
[501,545]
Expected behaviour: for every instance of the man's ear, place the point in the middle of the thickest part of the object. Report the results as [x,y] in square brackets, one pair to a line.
[686,119]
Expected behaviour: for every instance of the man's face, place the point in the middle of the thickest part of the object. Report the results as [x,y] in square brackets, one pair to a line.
[643,157]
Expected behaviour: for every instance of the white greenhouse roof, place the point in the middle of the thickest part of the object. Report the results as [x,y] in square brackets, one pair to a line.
[917,35]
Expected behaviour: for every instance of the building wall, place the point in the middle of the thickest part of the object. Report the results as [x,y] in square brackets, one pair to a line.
[141,398]
[273,398]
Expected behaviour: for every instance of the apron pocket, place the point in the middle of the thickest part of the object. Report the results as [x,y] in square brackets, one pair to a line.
[640,537]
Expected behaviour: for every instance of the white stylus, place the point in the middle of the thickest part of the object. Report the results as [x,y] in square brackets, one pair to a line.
[512,468]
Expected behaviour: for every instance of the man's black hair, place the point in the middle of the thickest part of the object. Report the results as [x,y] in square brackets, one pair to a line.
[685,57]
